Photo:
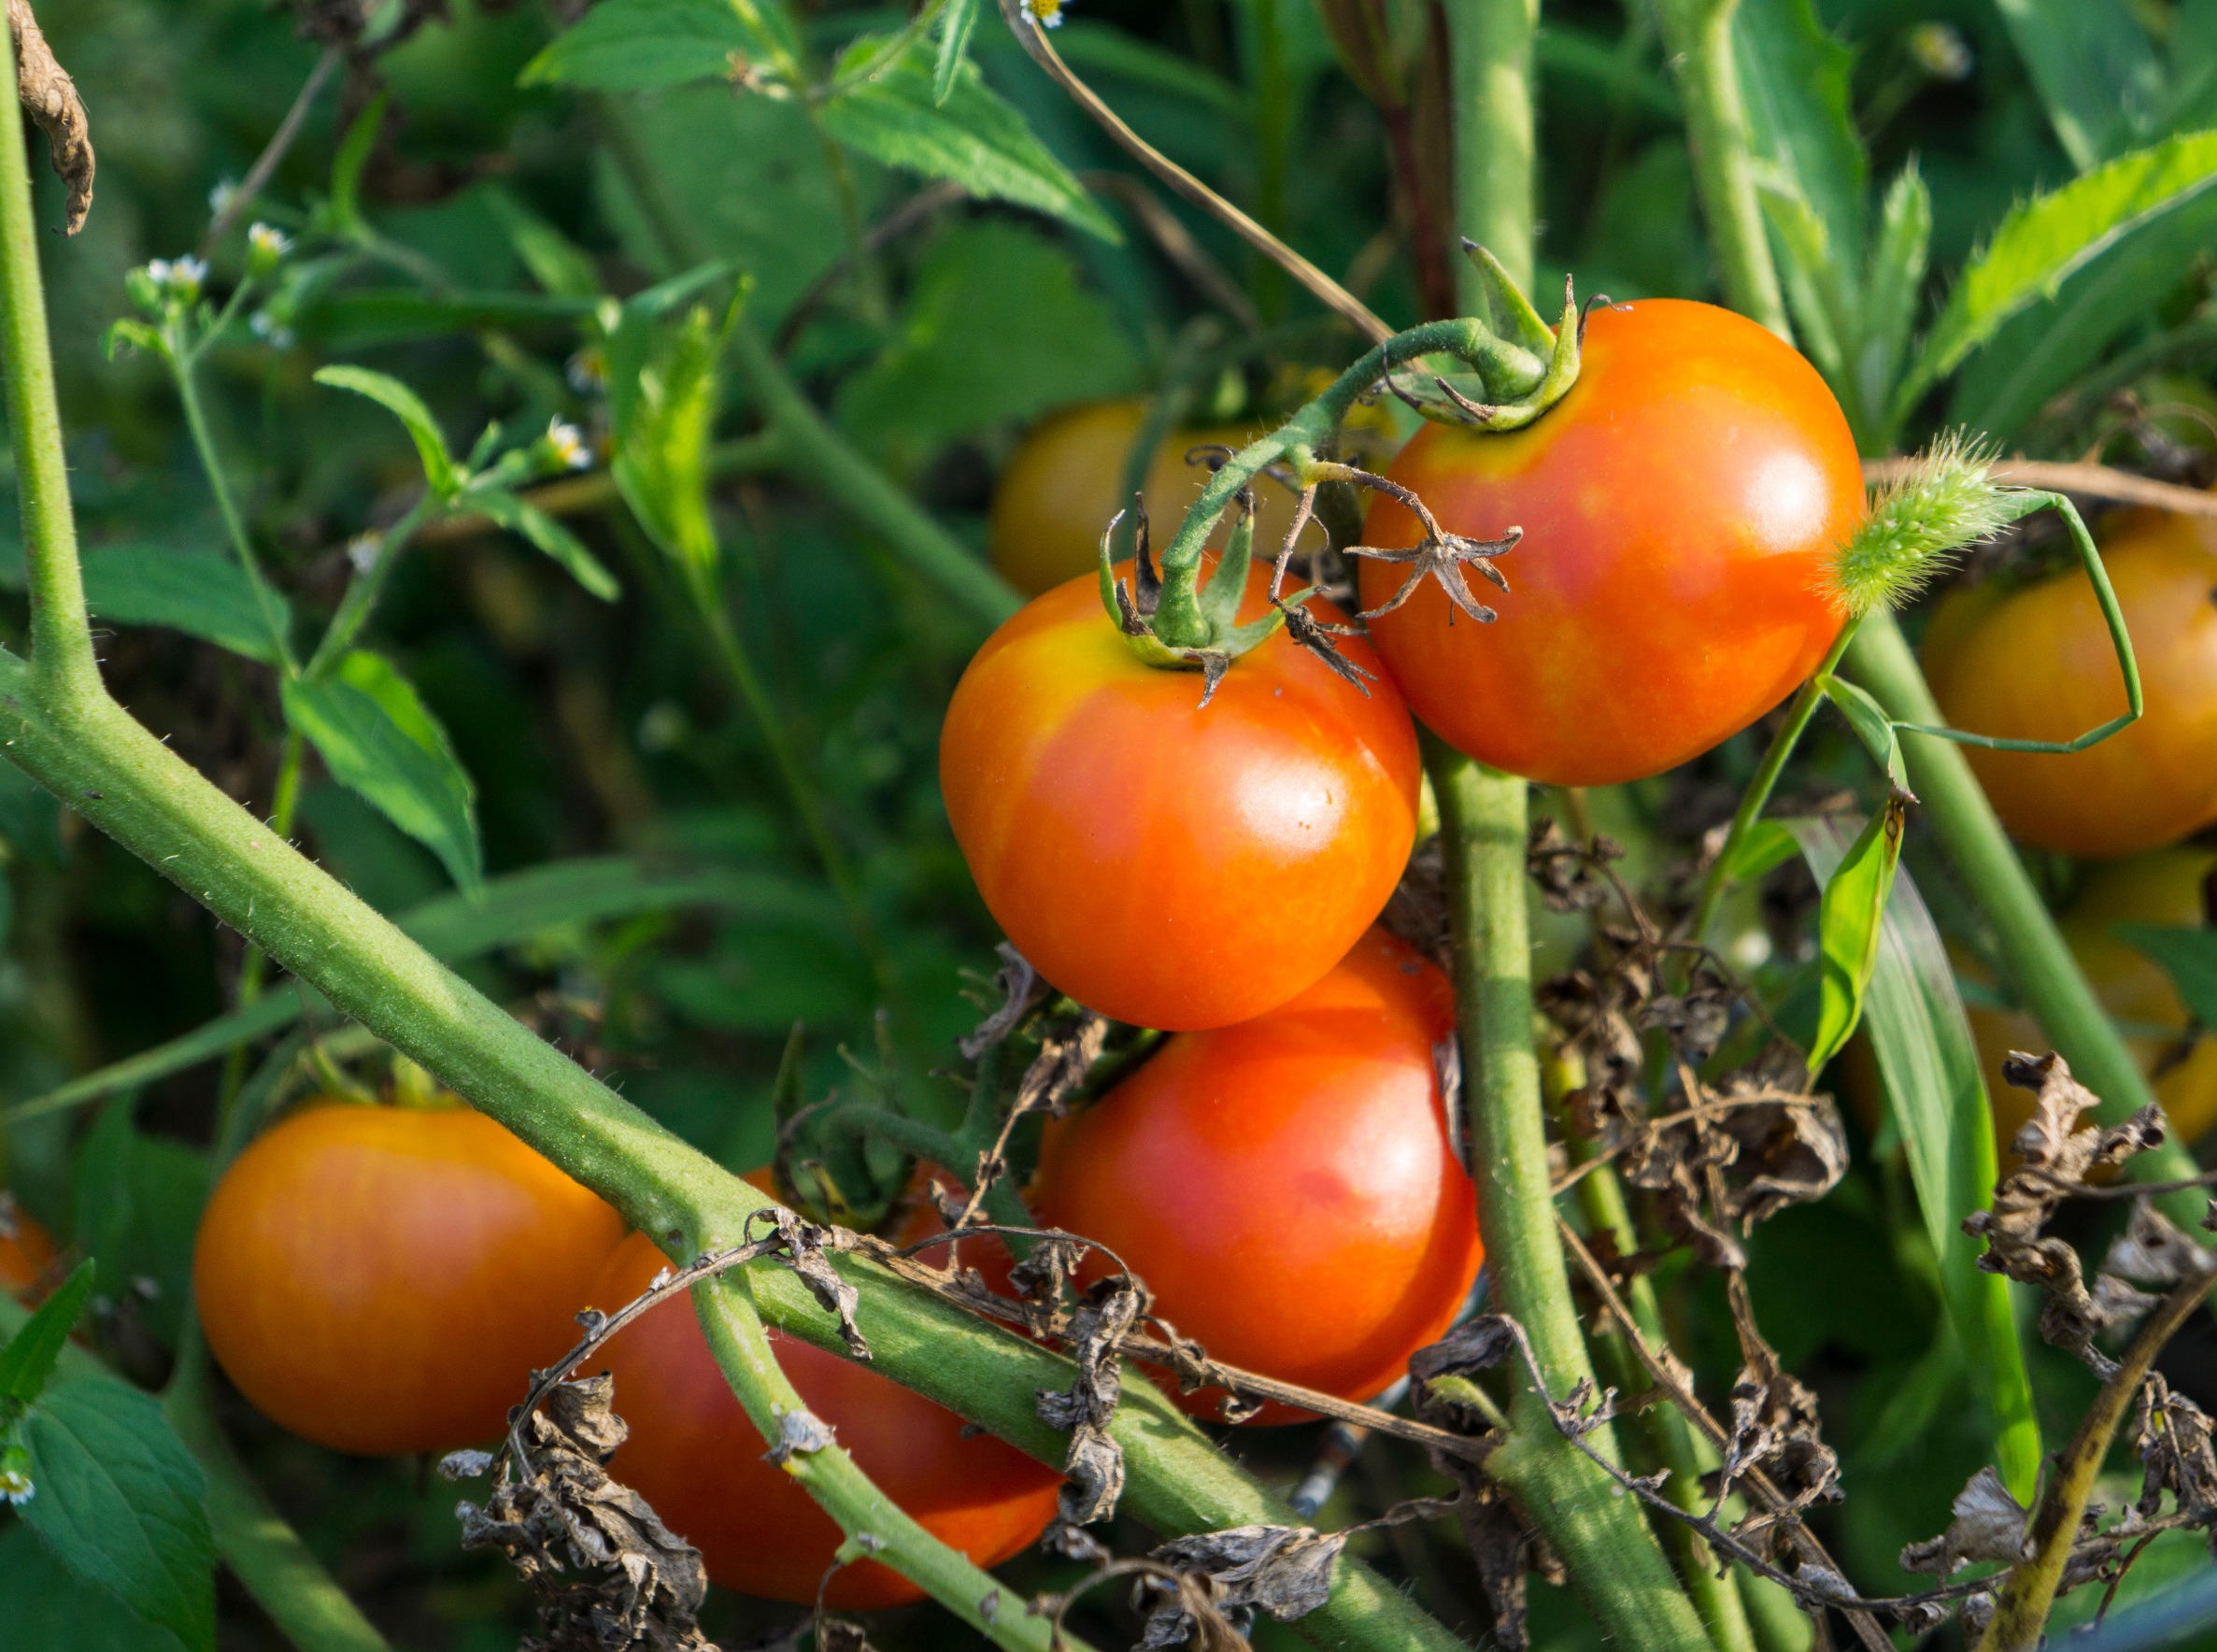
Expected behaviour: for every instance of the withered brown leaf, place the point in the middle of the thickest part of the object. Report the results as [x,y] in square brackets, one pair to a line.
[1989,1526]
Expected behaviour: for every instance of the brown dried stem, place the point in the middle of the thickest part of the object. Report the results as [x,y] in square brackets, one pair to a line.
[273,152]
[2092,481]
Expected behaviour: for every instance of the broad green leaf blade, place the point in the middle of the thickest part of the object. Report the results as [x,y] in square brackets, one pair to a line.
[625,44]
[208,597]
[405,405]
[28,1359]
[955,25]
[2095,71]
[975,137]
[1795,75]
[2188,956]
[521,517]
[121,1501]
[376,738]
[1848,919]
[2040,243]
[48,1607]
[1930,1066]
[1871,724]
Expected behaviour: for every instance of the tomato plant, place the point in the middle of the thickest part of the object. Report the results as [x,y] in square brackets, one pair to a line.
[1286,1187]
[384,1278]
[1165,862]
[1678,508]
[2037,663]
[695,1455]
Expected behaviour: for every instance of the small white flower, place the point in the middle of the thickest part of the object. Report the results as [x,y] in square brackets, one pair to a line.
[15,1476]
[361,551]
[587,371]
[220,197]
[267,328]
[1940,50]
[177,280]
[1047,14]
[563,446]
[267,247]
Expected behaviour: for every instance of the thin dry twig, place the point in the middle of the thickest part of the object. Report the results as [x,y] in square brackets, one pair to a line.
[273,153]
[2092,481]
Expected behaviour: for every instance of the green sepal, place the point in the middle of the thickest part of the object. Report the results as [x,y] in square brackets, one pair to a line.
[1509,311]
[1220,598]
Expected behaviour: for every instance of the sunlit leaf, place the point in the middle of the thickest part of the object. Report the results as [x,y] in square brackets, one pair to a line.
[957,19]
[1795,75]
[206,596]
[1848,921]
[1871,724]
[405,405]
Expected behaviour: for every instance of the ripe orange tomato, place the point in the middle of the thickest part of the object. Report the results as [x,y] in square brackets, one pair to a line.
[2164,887]
[27,1250]
[1165,862]
[695,1456]
[1678,506]
[386,1280]
[1286,1187]
[2037,663]
[1066,480]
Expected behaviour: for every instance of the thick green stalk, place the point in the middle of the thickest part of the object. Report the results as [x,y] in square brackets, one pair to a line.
[1697,35]
[2035,959]
[1613,1560]
[1490,47]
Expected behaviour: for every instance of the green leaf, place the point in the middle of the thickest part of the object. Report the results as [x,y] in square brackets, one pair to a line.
[2188,956]
[1871,724]
[996,327]
[521,517]
[2042,242]
[975,137]
[1848,917]
[1825,318]
[663,428]
[1101,48]
[119,1501]
[377,737]
[404,404]
[1795,77]
[2095,71]
[355,149]
[47,1606]
[955,25]
[100,1183]
[1931,1066]
[557,264]
[1891,288]
[28,1359]
[624,45]
[1768,843]
[210,597]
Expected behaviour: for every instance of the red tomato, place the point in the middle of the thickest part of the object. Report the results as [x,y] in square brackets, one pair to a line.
[386,1280]
[1678,506]
[695,1456]
[1286,1187]
[26,1252]
[1165,862]
[2038,663]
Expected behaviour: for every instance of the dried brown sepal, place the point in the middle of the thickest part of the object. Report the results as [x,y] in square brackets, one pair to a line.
[1284,1571]
[49,97]
[1989,1526]
[608,1575]
[2057,1157]
[806,1248]
[1095,1464]
[1021,992]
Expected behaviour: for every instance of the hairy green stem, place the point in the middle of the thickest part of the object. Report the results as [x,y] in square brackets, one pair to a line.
[242,546]
[1613,1558]
[254,967]
[1698,36]
[367,586]
[1490,55]
[2035,959]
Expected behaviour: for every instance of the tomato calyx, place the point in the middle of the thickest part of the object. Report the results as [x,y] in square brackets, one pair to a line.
[1177,620]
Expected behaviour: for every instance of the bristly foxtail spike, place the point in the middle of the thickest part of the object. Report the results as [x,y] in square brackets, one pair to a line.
[1220,598]
[1513,315]
[1943,501]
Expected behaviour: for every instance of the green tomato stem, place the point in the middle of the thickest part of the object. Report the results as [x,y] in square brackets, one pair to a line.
[1613,1558]
[1697,35]
[1490,45]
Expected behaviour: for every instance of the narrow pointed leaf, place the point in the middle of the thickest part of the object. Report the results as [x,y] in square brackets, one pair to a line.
[1848,919]
[954,26]
[1871,724]
[405,405]
[28,1359]
[526,520]
[1795,77]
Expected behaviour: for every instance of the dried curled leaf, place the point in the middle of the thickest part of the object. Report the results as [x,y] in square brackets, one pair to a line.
[1570,876]
[2175,1451]
[1989,1526]
[1775,1426]
[1096,1462]
[49,97]
[806,1248]
[800,1433]
[1284,1571]
[1021,992]
[608,1575]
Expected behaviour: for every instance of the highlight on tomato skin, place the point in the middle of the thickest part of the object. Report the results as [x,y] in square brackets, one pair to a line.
[1679,506]
[694,1454]
[1166,863]
[1286,1187]
[2037,663]
[385,1279]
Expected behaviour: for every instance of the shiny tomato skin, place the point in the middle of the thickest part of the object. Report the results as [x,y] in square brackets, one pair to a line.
[26,1251]
[386,1280]
[1678,508]
[1065,481]
[1164,862]
[1285,1187]
[2038,663]
[695,1456]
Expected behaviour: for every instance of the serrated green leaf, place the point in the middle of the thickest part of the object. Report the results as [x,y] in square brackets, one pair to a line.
[376,738]
[208,597]
[119,1501]
[47,1606]
[955,22]
[625,44]
[2188,956]
[2095,71]
[1848,921]
[975,137]
[1795,77]
[2042,243]
[1871,724]
[27,1360]
[521,517]
[405,405]
[1826,319]
[1930,1066]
